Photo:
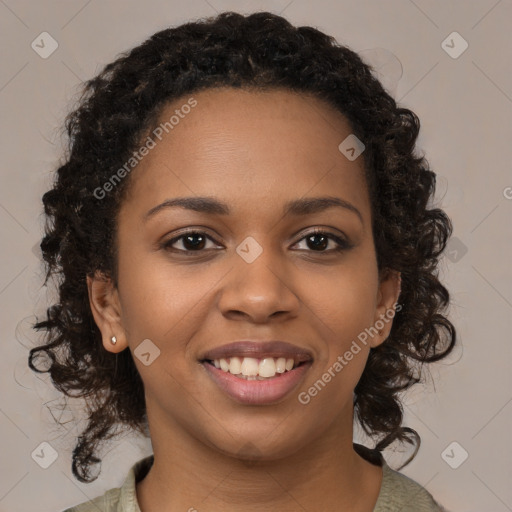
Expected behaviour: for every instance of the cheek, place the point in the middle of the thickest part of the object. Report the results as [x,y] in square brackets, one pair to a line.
[343,308]
[350,315]
[342,357]
[341,305]
[158,299]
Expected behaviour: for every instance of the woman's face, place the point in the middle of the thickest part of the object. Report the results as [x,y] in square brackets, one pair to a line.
[256,273]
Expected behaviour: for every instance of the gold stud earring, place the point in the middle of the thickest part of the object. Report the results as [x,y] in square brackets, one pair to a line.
[113,340]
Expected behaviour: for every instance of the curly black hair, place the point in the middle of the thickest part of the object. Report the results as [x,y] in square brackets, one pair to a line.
[116,110]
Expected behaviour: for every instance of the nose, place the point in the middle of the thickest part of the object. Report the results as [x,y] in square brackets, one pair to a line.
[259,290]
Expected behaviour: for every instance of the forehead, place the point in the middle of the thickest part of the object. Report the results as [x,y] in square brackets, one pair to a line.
[247,146]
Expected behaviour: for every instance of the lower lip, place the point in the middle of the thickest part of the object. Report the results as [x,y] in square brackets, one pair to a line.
[257,392]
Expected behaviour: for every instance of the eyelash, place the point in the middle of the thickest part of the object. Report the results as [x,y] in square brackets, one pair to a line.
[342,243]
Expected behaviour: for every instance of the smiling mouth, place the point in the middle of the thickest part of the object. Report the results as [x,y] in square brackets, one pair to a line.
[241,381]
[250,368]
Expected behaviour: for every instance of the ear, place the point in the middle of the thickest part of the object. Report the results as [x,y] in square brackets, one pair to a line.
[387,298]
[106,310]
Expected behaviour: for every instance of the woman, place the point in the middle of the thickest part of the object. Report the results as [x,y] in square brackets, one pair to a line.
[247,262]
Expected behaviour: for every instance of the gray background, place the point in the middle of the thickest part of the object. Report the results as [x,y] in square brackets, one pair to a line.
[464,105]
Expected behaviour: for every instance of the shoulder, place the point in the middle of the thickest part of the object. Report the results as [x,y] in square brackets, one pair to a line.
[399,492]
[108,502]
[118,499]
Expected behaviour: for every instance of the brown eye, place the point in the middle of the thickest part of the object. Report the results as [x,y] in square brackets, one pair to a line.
[318,241]
[193,241]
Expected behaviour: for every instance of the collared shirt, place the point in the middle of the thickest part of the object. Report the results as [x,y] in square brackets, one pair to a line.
[398,493]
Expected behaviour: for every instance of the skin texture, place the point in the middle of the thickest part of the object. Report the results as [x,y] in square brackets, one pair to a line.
[254,151]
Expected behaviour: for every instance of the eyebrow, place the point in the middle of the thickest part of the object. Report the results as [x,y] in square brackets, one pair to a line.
[212,206]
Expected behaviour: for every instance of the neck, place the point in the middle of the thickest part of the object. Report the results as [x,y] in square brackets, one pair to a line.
[326,474]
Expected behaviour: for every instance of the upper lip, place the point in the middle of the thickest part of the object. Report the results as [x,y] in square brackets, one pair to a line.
[258,350]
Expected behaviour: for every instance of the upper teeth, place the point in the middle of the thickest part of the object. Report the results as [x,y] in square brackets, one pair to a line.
[249,366]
